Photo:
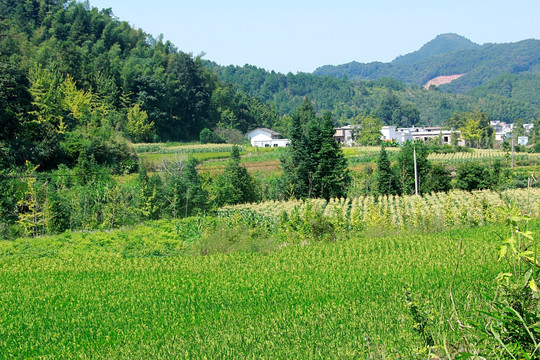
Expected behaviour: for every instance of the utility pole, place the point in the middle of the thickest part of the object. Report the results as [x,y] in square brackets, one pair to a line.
[187,201]
[513,148]
[415,173]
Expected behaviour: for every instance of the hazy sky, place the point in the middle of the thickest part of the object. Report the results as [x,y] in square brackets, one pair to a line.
[292,36]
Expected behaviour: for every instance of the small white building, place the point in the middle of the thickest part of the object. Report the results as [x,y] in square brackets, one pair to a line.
[402,135]
[392,133]
[504,131]
[344,135]
[263,137]
[523,140]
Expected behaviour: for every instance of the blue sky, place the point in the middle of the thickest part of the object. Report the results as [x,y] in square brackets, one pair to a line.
[292,36]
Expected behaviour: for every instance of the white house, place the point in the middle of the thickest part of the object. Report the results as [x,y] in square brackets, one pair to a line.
[402,135]
[263,137]
[392,133]
[504,131]
[344,135]
[523,140]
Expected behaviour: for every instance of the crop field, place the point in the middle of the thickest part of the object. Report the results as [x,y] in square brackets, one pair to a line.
[433,211]
[146,293]
[214,157]
[481,155]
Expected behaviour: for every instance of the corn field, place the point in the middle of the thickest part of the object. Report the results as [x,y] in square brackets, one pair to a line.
[430,212]
[479,155]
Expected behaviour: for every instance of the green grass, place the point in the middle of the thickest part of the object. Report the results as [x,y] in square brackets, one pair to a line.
[143,293]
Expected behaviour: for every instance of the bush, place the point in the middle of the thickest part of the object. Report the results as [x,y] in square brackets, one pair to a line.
[473,176]
[207,136]
[535,148]
[439,179]
[231,136]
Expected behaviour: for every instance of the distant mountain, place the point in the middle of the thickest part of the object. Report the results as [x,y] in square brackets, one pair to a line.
[442,44]
[449,55]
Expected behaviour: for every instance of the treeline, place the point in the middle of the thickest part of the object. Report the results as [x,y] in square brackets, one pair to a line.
[76,81]
[89,197]
[348,100]
[394,173]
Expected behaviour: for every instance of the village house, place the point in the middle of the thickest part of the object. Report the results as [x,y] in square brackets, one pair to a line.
[344,135]
[504,131]
[263,137]
[402,135]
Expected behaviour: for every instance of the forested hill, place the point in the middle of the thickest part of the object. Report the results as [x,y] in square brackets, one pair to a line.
[442,44]
[78,83]
[502,80]
[449,54]
[350,100]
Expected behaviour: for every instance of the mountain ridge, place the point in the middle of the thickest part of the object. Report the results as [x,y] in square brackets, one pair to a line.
[480,63]
[441,44]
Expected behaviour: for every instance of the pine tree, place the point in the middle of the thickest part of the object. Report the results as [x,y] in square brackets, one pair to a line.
[332,176]
[384,173]
[314,165]
[296,163]
[405,167]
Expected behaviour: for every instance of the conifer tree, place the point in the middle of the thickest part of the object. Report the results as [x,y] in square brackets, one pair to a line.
[332,175]
[296,163]
[405,167]
[384,173]
[314,165]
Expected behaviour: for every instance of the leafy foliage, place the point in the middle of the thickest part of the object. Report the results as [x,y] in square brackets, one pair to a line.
[76,78]
[235,185]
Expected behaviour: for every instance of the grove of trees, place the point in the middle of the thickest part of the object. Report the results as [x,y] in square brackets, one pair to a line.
[76,80]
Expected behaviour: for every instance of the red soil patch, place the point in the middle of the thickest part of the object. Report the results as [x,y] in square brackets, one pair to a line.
[441,80]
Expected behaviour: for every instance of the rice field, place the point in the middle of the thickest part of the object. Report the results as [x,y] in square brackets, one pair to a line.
[138,294]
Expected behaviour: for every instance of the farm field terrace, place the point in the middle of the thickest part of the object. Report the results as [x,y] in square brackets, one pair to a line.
[214,157]
[145,292]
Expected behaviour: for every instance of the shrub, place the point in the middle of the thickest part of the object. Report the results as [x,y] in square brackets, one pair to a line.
[207,136]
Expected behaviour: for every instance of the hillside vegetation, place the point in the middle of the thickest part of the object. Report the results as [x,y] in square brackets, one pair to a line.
[446,56]
[78,82]
[442,44]
[349,100]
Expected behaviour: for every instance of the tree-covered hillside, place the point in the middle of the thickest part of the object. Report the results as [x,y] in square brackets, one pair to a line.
[76,81]
[349,100]
[442,44]
[443,56]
